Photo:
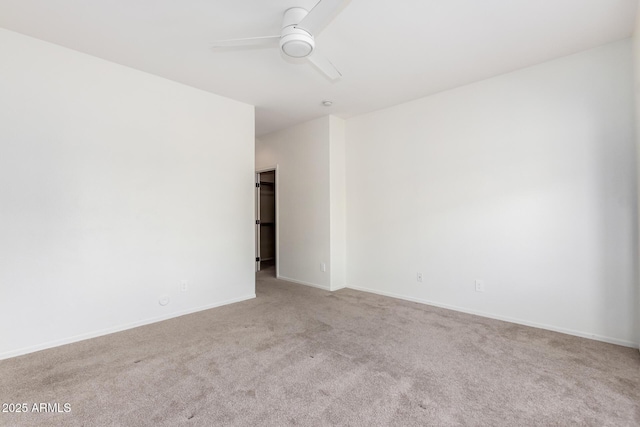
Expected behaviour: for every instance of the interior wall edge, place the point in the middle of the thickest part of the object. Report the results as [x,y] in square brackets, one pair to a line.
[301,282]
[119,328]
[581,334]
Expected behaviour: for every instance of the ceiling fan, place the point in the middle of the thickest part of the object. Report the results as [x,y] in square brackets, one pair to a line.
[296,38]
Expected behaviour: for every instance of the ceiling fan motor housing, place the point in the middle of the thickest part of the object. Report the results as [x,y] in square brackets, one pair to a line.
[295,42]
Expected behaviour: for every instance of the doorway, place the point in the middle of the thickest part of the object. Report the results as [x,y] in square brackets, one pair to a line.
[266,233]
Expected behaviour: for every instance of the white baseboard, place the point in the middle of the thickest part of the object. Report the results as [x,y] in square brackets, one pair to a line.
[107,331]
[313,285]
[503,318]
[300,282]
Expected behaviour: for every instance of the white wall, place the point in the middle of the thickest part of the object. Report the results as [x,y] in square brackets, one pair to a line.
[311,200]
[636,75]
[115,186]
[302,155]
[337,202]
[526,181]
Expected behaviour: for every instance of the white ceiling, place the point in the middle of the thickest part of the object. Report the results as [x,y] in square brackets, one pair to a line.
[388,51]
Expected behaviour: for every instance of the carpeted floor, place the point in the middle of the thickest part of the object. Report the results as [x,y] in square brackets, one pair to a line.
[302,356]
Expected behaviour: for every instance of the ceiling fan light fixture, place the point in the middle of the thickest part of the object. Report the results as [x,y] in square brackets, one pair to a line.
[297,45]
[296,38]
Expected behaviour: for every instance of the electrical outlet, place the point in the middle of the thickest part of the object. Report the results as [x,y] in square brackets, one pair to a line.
[323,267]
[479,285]
[419,277]
[184,286]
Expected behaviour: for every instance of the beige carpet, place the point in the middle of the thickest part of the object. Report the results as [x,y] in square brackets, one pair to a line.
[301,356]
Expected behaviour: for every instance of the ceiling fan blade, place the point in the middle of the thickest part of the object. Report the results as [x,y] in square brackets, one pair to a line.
[324,65]
[321,14]
[249,41]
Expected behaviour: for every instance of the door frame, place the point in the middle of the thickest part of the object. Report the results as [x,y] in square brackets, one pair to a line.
[273,168]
